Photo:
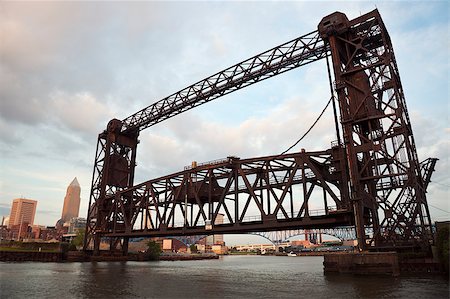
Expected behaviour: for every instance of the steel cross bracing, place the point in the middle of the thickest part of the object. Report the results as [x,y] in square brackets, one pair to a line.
[300,51]
[374,178]
[387,188]
[280,188]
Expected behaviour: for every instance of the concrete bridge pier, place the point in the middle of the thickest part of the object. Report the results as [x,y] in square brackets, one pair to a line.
[362,263]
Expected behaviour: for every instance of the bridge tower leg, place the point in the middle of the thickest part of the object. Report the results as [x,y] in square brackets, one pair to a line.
[113,171]
[387,191]
[125,245]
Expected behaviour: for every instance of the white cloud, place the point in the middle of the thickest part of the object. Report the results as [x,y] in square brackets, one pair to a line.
[80,112]
[191,138]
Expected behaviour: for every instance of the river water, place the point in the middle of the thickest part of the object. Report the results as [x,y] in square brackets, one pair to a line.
[228,277]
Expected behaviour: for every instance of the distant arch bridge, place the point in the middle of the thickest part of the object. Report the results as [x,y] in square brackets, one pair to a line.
[343,233]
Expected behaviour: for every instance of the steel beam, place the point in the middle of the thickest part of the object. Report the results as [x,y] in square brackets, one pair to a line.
[159,207]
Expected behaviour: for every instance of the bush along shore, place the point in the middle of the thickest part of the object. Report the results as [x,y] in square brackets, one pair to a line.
[16,251]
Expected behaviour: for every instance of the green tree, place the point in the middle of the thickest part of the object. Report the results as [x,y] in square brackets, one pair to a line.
[79,238]
[153,251]
[193,248]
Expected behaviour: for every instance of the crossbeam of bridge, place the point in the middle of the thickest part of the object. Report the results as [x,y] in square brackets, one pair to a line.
[257,194]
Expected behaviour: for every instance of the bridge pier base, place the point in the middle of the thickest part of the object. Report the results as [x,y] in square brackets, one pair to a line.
[362,263]
[125,246]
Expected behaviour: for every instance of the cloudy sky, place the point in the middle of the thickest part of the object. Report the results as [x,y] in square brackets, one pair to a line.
[68,68]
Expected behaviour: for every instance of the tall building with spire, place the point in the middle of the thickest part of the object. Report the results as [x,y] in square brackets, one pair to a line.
[71,206]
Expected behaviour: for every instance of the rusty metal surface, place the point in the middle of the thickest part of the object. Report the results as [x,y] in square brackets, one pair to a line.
[372,180]
[387,189]
[183,203]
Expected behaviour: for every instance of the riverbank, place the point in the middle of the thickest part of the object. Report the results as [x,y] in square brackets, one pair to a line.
[305,253]
[30,256]
[139,257]
[79,256]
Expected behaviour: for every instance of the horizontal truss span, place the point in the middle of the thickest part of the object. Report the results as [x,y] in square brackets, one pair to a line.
[298,190]
[300,51]
[317,222]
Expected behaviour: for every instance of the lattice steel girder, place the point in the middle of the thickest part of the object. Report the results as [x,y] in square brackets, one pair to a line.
[266,193]
[387,190]
[300,51]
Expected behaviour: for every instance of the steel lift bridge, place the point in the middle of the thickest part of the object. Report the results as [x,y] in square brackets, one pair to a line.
[370,178]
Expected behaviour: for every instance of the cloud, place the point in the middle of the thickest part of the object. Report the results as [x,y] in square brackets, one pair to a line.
[80,112]
[191,138]
[8,136]
[432,141]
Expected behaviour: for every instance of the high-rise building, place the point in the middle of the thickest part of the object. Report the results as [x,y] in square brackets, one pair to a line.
[22,211]
[71,206]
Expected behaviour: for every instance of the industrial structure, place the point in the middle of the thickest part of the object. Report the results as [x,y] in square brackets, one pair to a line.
[369,178]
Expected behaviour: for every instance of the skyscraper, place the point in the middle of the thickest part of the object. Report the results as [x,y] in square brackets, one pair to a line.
[71,206]
[22,211]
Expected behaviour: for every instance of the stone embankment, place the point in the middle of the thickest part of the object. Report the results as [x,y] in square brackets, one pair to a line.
[30,256]
[79,256]
[390,263]
[187,257]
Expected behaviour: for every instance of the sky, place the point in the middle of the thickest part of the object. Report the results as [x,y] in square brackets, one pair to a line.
[67,68]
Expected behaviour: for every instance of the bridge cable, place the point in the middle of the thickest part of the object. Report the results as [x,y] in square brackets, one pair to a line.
[439,209]
[336,121]
[310,128]
[445,185]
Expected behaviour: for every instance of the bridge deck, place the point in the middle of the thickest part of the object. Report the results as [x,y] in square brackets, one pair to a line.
[268,224]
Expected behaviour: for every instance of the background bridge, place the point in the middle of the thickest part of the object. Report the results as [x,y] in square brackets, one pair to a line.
[343,233]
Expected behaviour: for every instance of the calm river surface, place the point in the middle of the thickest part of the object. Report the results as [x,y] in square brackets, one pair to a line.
[228,277]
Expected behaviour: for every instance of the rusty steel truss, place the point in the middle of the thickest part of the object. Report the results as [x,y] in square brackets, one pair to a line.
[371,178]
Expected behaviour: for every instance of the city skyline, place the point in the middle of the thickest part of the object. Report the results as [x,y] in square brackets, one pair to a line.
[103,82]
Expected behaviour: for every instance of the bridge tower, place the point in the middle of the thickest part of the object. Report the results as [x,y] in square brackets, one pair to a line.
[387,189]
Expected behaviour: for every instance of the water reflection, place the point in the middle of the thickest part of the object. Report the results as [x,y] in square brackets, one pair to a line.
[228,277]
